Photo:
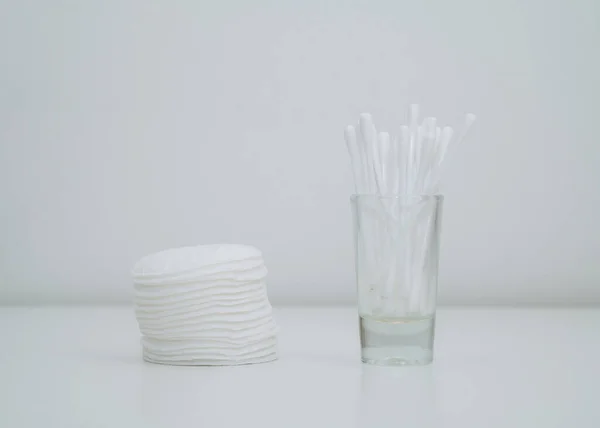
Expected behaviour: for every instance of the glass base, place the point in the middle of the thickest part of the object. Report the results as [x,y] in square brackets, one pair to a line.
[406,341]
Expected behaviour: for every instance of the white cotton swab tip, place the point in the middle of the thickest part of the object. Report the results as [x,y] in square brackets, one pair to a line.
[469,120]
[366,127]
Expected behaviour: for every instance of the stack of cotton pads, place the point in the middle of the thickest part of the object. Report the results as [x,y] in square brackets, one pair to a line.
[204,305]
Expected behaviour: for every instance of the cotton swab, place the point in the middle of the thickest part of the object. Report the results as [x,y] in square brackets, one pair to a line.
[411,167]
[432,179]
[437,158]
[387,169]
[369,138]
[394,165]
[356,160]
[469,120]
[426,150]
[404,159]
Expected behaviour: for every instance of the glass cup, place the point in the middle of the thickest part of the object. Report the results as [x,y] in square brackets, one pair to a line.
[397,241]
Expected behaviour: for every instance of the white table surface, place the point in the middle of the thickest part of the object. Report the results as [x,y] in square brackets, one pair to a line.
[81,367]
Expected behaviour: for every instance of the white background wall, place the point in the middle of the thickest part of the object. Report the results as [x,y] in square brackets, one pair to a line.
[130,126]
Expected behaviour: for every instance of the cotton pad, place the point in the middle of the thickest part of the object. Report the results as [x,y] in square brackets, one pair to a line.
[204,305]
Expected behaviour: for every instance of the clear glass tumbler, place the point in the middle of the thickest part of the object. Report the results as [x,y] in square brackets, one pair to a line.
[397,241]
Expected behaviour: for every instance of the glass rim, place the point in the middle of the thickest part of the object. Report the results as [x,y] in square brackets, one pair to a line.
[398,196]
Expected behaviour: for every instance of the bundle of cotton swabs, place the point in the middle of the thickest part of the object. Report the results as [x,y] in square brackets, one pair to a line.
[406,164]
